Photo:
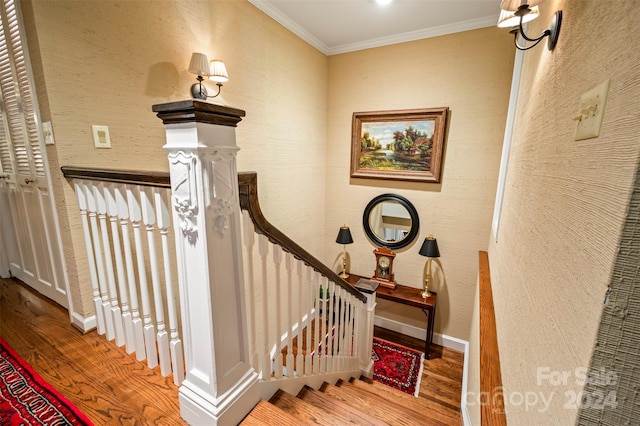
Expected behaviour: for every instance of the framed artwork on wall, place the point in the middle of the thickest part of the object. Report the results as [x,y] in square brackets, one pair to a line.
[398,145]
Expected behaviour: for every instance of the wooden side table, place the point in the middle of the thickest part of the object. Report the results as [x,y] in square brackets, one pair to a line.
[409,296]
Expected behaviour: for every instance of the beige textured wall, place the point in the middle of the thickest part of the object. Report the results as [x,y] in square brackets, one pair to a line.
[107,62]
[470,73]
[564,204]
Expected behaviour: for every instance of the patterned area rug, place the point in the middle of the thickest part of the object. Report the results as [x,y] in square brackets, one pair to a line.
[397,366]
[26,399]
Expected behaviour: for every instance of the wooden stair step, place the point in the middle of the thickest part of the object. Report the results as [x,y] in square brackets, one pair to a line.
[437,414]
[265,413]
[376,406]
[441,390]
[347,413]
[304,411]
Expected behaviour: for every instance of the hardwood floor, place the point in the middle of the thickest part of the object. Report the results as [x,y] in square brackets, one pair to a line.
[113,388]
[442,374]
[102,380]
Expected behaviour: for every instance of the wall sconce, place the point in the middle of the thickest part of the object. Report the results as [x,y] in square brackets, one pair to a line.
[201,67]
[430,250]
[517,12]
[344,237]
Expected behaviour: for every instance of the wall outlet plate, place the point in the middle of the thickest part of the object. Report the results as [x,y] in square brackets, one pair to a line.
[101,137]
[592,103]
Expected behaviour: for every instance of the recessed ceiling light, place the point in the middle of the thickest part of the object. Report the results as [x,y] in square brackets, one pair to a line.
[383,2]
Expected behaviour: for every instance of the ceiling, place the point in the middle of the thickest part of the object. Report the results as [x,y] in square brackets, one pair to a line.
[339,26]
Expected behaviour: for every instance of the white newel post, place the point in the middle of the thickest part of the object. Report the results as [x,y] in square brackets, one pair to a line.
[219,385]
[365,340]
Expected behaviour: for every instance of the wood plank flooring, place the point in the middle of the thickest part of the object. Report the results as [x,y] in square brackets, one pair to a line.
[102,380]
[113,388]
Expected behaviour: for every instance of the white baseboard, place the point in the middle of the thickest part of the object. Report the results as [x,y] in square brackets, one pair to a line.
[83,324]
[420,333]
[464,411]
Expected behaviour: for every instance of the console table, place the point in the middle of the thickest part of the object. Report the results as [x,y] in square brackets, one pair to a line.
[409,296]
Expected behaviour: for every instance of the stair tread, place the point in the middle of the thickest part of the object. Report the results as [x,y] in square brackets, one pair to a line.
[440,412]
[304,411]
[349,414]
[377,406]
[441,390]
[265,413]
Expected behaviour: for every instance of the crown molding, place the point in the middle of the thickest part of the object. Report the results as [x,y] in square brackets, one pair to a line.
[441,30]
[286,22]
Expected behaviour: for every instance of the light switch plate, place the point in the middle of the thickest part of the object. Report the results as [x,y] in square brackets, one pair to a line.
[101,137]
[592,103]
[47,133]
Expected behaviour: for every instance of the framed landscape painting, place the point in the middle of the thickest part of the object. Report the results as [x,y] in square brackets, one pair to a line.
[399,145]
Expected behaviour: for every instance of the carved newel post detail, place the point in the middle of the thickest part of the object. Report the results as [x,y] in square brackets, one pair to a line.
[204,181]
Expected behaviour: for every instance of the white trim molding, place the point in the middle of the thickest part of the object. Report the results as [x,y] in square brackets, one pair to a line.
[84,324]
[420,333]
[506,144]
[288,23]
[464,410]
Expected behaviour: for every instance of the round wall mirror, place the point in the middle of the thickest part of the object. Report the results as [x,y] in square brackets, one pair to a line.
[391,221]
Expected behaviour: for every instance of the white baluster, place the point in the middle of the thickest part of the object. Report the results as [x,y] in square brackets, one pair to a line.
[330,327]
[322,325]
[116,311]
[309,310]
[133,199]
[277,261]
[317,324]
[80,188]
[299,356]
[97,247]
[149,219]
[133,328]
[249,242]
[112,298]
[289,308]
[357,310]
[350,335]
[343,341]
[265,366]
[163,219]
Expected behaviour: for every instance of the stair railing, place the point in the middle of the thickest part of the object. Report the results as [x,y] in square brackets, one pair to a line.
[257,312]
[302,318]
[124,216]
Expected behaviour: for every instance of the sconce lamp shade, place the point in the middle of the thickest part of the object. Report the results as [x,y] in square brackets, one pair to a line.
[199,64]
[513,5]
[218,71]
[344,236]
[430,247]
[510,19]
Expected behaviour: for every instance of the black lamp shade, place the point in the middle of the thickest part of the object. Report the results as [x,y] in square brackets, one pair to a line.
[344,236]
[430,248]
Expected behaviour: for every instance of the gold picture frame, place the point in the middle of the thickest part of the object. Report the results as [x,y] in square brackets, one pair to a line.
[398,145]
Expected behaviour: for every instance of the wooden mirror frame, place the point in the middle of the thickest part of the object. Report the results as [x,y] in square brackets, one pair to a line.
[413,213]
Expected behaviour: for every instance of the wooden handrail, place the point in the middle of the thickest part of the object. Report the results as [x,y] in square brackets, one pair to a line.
[160,179]
[492,409]
[248,191]
[248,182]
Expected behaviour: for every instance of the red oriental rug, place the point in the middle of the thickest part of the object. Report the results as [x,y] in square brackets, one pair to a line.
[27,399]
[397,366]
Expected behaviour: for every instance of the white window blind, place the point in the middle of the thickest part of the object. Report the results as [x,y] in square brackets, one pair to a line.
[19,138]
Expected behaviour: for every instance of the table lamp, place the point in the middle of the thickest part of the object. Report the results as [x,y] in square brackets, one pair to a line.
[344,238]
[430,250]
